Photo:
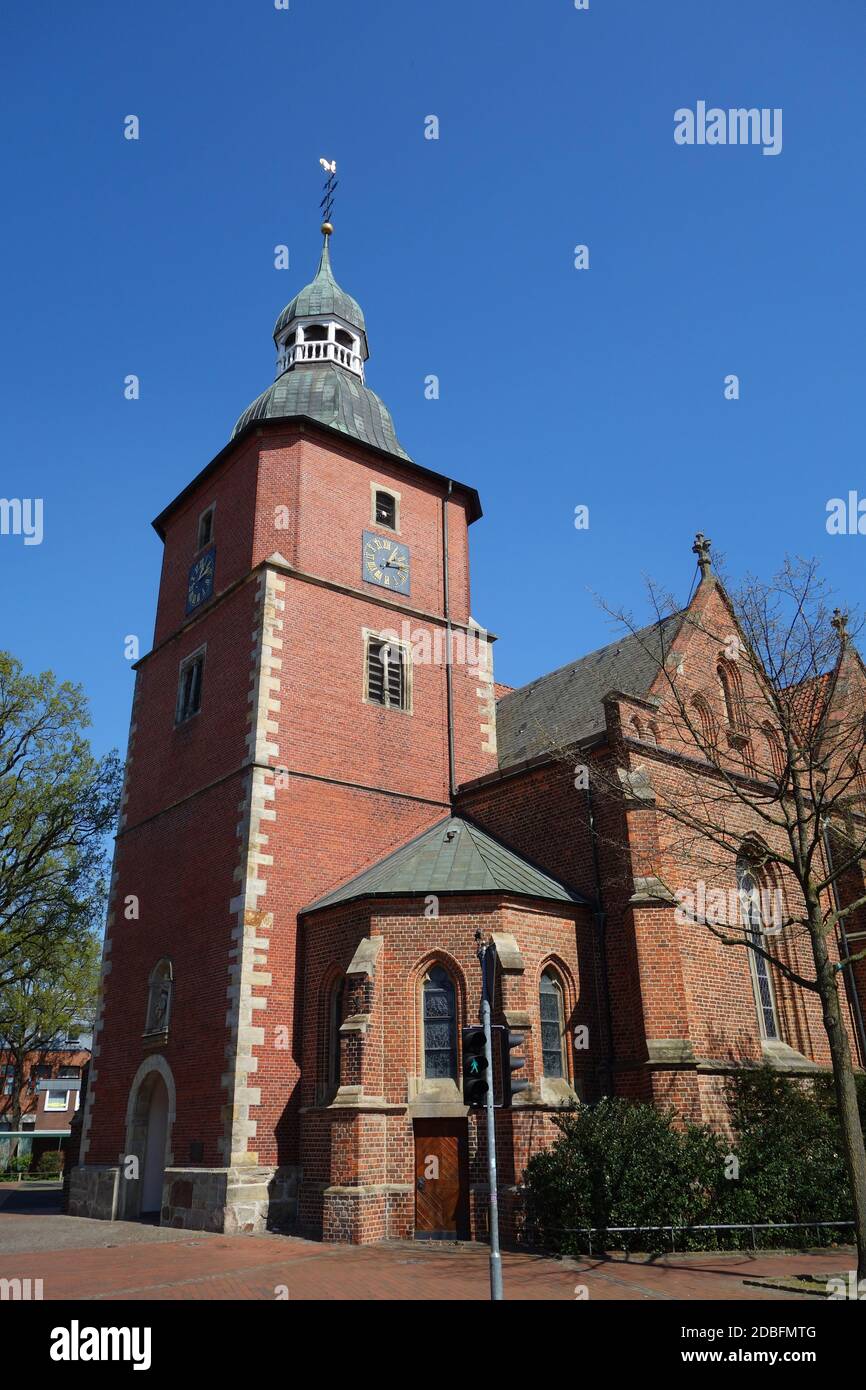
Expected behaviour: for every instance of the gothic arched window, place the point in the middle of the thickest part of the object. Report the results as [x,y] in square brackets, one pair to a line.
[707,727]
[439,1000]
[777,752]
[333,1023]
[552,1026]
[754,926]
[160,986]
[731,686]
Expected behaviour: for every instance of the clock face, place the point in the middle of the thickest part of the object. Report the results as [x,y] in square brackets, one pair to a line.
[201,577]
[385,562]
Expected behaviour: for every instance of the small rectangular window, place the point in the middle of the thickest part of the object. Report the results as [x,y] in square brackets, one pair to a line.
[387,680]
[189,687]
[57,1100]
[385,510]
[205,529]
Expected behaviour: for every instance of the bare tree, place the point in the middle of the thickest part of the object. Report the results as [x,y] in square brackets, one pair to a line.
[758,774]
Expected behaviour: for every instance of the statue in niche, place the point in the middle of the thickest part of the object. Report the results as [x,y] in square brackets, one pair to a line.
[159,998]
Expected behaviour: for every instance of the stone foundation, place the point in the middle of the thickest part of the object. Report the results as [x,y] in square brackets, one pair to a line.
[231,1200]
[94,1191]
[228,1200]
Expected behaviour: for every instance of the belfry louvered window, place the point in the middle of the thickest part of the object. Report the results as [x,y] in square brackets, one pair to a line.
[387,680]
[189,687]
[386,509]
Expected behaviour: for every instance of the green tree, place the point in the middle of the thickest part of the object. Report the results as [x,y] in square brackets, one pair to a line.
[57,805]
[39,1009]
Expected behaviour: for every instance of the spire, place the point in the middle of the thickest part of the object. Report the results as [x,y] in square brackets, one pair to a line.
[327,203]
[322,324]
[321,340]
[701,548]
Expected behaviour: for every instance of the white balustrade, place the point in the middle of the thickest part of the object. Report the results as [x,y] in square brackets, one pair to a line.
[320,352]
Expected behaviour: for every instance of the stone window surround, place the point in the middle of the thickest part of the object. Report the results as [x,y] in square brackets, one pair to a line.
[369,635]
[201,545]
[376,488]
[159,1036]
[183,665]
[425,1090]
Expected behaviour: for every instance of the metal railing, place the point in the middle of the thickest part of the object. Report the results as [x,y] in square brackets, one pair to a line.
[752,1226]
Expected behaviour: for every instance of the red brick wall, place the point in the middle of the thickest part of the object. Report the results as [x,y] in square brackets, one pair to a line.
[180,865]
[232,488]
[326,488]
[179,851]
[666,980]
[351,1148]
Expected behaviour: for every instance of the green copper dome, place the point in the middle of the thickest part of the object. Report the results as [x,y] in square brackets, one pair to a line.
[322,347]
[333,397]
[322,296]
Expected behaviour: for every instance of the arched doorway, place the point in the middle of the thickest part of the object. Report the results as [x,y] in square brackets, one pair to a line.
[153,1168]
[149,1120]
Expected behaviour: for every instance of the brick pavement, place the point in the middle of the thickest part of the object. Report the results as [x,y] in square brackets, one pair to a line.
[77,1258]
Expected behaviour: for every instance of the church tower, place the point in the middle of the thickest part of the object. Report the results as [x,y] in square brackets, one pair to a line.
[296,720]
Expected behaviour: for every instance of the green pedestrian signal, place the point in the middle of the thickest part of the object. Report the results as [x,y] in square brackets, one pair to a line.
[475,1083]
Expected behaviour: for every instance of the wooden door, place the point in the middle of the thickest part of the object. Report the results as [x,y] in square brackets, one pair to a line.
[441,1180]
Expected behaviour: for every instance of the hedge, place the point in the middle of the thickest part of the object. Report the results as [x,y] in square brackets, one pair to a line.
[626,1163]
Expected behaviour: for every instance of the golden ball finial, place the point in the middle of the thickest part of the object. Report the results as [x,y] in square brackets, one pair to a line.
[327,228]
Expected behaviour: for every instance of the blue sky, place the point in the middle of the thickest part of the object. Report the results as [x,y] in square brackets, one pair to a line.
[559,387]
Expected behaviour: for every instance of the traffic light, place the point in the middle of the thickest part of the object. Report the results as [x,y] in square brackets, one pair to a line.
[475,1082]
[511,1085]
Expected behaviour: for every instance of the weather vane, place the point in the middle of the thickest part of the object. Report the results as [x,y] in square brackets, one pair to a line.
[327,203]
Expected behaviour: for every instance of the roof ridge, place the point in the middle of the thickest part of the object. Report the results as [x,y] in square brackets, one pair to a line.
[471,828]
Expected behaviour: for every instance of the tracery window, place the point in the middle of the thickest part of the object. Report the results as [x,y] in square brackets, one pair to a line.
[439,1011]
[753,921]
[552,1005]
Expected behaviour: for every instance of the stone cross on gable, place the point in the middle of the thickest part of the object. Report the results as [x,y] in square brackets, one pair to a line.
[839,620]
[701,548]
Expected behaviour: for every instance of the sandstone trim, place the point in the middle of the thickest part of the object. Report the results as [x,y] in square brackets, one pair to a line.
[250,941]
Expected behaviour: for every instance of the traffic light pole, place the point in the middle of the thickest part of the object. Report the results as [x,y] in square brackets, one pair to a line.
[487,957]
